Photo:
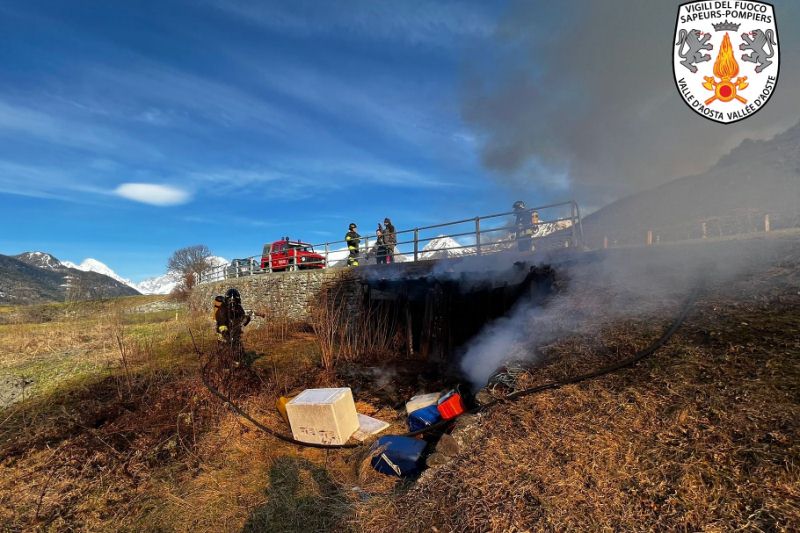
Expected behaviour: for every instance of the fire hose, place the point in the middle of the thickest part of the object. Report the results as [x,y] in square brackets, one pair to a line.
[623,363]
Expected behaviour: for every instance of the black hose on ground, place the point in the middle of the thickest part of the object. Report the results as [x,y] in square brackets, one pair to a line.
[242,413]
[630,361]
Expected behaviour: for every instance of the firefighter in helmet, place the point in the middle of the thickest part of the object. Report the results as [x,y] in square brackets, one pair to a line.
[523,225]
[353,239]
[390,238]
[231,319]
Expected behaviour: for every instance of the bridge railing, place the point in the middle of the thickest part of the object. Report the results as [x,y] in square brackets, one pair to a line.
[556,225]
[737,223]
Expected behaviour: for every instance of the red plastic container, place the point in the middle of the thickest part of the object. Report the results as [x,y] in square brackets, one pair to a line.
[450,406]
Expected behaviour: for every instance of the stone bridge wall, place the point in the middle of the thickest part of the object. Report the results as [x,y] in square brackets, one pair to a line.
[282,293]
[292,293]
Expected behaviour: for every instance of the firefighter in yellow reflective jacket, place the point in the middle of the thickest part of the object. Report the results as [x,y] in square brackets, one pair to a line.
[353,239]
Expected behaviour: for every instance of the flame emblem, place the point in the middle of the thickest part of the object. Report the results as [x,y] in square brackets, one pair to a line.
[725,68]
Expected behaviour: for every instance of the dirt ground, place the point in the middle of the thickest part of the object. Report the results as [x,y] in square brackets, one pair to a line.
[701,436]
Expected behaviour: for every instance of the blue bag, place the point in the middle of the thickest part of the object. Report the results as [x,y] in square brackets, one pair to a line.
[397,456]
[422,418]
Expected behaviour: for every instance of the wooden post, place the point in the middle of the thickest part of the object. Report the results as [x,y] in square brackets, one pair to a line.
[478,235]
[409,330]
[605,241]
[704,227]
[573,223]
[649,237]
[416,244]
[766,222]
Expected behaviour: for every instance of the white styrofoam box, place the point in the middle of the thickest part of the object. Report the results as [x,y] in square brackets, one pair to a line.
[323,416]
[422,400]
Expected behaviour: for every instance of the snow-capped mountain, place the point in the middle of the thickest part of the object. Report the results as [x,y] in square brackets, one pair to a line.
[40,259]
[338,258]
[546,228]
[165,283]
[34,277]
[216,260]
[442,247]
[93,265]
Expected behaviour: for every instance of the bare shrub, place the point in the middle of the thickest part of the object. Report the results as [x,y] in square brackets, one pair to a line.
[183,289]
[326,319]
[274,326]
[347,330]
[188,262]
[133,353]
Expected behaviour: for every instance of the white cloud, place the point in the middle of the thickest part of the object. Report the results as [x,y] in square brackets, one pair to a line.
[441,24]
[150,193]
[57,126]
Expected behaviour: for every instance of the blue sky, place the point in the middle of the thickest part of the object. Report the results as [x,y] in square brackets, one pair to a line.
[130,129]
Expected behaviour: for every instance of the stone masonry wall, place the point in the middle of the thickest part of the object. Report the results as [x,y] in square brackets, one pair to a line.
[283,293]
[291,293]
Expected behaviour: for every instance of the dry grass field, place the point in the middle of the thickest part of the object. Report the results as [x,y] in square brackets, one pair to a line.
[115,431]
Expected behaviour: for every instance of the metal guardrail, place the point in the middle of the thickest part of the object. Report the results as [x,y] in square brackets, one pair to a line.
[484,235]
[743,222]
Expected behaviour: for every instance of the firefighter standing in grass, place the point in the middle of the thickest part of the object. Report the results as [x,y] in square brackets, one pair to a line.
[231,320]
[353,239]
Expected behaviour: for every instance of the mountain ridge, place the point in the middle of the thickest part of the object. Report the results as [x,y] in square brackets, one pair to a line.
[757,176]
[38,277]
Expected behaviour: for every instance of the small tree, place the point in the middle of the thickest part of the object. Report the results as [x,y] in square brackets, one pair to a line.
[186,263]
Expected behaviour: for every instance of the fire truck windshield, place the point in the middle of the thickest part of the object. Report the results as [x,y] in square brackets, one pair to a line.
[301,247]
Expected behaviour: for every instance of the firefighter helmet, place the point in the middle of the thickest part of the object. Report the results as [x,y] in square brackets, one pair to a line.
[233,294]
[519,204]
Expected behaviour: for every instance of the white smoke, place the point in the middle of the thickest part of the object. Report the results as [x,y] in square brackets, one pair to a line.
[578,99]
[600,288]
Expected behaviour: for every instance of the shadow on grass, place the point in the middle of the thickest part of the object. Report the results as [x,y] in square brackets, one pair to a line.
[302,497]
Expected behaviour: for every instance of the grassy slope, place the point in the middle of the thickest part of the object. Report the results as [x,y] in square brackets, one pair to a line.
[48,343]
[703,436]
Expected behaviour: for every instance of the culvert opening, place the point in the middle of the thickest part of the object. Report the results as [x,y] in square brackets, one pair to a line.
[433,317]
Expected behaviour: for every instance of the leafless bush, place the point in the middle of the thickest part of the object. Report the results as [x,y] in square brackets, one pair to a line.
[348,331]
[326,317]
[273,326]
[183,289]
[369,335]
[188,262]
[133,352]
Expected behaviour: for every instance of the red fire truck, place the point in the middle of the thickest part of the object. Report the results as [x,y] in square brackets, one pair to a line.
[287,254]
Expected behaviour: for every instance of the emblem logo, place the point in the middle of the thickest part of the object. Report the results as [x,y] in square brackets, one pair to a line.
[713,79]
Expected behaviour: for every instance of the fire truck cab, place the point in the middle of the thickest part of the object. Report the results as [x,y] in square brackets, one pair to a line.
[287,254]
